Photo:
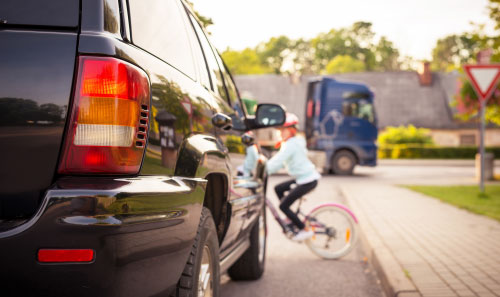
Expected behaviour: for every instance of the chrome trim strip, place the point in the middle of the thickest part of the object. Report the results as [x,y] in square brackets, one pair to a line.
[234,255]
[133,186]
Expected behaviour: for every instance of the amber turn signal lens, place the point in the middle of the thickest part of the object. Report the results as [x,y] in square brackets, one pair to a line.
[111,98]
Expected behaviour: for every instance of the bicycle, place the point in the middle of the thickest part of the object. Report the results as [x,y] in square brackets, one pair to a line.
[334,225]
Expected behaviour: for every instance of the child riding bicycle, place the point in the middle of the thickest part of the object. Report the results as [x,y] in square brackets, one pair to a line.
[293,156]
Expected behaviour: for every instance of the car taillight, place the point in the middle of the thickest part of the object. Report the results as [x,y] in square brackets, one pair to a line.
[109,119]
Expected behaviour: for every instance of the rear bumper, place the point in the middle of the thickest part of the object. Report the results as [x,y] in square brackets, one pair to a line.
[141,230]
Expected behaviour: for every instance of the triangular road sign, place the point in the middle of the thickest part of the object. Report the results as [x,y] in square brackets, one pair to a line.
[484,78]
[187,106]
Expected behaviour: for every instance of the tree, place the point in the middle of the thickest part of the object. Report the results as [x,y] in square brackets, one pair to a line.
[205,21]
[333,43]
[408,63]
[467,103]
[344,64]
[454,50]
[244,62]
[300,56]
[494,9]
[386,55]
[362,34]
[273,52]
[356,41]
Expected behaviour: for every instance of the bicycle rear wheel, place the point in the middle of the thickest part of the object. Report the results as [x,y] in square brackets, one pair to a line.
[335,232]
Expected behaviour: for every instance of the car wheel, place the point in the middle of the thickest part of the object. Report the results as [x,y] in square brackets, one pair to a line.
[201,275]
[251,264]
[343,163]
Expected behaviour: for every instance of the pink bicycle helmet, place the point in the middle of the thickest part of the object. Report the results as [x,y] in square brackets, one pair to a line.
[291,120]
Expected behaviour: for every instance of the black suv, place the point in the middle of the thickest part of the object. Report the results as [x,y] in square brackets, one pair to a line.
[120,140]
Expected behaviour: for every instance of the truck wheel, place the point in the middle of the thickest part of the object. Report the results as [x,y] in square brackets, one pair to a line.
[343,162]
[201,275]
[251,264]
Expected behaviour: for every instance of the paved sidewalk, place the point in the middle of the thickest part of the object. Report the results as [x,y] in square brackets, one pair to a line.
[425,247]
[431,162]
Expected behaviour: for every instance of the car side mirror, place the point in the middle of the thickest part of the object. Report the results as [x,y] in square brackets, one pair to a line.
[269,115]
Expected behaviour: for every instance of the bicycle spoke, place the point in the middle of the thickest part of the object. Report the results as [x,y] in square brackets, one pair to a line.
[334,232]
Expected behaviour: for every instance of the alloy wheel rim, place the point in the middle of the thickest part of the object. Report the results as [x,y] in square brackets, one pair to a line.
[205,279]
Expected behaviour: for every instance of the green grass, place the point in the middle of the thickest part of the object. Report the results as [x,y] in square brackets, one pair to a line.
[466,197]
[153,166]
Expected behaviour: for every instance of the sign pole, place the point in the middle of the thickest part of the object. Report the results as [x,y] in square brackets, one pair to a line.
[481,145]
[484,79]
[483,57]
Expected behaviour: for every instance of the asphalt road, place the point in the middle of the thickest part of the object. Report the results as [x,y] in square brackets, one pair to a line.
[292,270]
[426,173]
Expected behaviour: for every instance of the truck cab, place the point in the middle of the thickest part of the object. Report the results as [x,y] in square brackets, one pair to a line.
[341,121]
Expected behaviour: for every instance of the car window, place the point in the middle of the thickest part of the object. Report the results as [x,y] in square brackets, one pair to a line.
[158,27]
[232,96]
[231,88]
[198,53]
[239,109]
[359,108]
[213,67]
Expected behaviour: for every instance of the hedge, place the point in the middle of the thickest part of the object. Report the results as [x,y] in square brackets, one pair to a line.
[404,151]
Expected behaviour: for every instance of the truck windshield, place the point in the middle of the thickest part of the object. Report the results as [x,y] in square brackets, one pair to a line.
[359,108]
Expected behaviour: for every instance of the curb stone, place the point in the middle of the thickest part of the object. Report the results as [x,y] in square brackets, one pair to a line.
[393,280]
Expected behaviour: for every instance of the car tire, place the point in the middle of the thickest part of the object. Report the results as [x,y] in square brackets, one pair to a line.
[198,279]
[250,266]
[343,163]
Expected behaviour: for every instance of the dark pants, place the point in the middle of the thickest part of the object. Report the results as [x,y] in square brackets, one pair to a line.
[293,195]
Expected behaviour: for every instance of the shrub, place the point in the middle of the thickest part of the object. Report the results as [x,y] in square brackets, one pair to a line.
[234,145]
[405,135]
[402,151]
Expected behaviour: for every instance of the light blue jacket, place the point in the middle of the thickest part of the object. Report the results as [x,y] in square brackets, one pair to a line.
[251,158]
[293,156]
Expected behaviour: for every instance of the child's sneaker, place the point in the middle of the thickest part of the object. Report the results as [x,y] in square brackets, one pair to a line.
[303,235]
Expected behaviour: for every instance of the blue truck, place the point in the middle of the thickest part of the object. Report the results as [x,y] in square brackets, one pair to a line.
[341,122]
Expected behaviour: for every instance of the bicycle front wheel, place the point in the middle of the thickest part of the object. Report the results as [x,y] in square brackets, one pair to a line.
[335,232]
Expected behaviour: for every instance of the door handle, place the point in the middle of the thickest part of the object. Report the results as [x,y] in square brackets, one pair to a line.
[222,121]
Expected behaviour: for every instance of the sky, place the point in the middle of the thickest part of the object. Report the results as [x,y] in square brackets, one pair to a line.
[413,26]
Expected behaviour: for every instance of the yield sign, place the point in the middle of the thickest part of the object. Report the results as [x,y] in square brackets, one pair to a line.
[484,79]
[188,107]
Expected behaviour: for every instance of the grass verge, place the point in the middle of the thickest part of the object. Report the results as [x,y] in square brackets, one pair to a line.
[466,197]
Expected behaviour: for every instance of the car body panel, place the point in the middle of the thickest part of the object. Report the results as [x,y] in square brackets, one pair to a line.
[141,229]
[54,13]
[36,80]
[142,226]
[197,151]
